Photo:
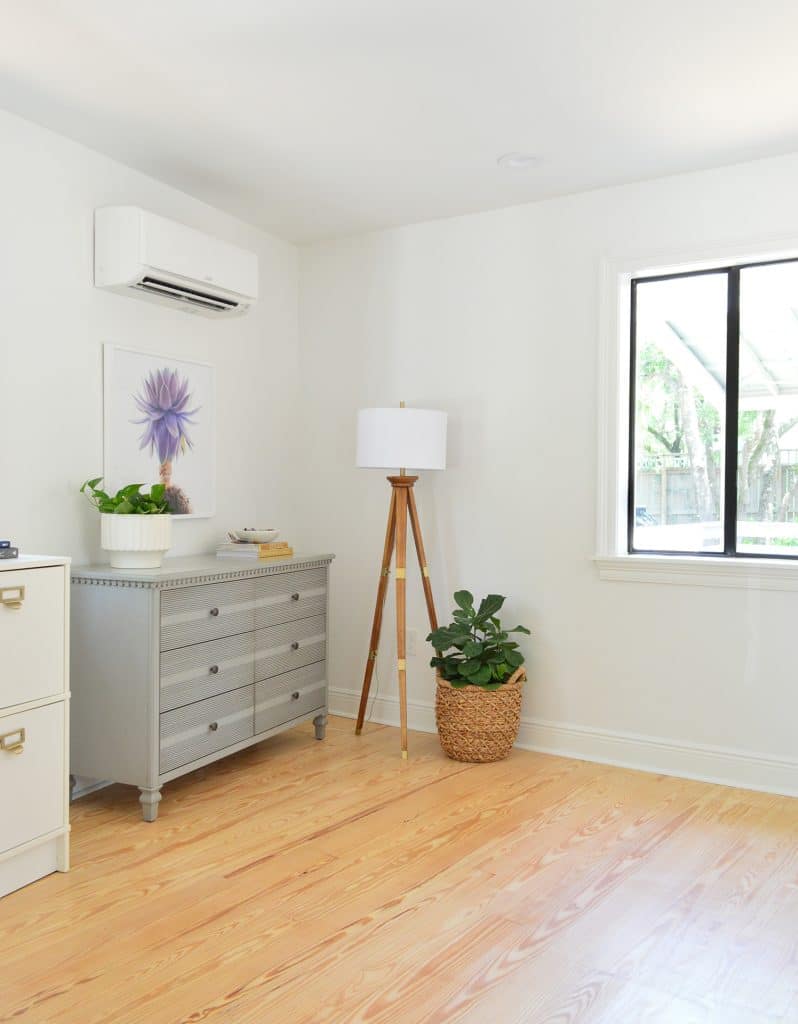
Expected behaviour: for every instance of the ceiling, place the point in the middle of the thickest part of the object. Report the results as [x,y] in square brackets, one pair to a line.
[316,118]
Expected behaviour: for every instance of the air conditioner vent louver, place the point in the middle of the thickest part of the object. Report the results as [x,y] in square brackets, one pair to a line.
[143,255]
[153,284]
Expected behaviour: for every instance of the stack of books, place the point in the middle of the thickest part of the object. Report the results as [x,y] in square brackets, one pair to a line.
[275,549]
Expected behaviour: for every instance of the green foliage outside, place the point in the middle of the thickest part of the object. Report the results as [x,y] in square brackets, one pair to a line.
[674,419]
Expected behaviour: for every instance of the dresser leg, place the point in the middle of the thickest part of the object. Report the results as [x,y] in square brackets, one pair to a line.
[149,800]
[320,723]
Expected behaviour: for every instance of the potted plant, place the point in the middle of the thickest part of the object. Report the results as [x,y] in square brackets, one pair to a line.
[136,527]
[479,675]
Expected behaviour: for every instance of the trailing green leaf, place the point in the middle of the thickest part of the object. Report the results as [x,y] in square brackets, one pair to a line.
[128,500]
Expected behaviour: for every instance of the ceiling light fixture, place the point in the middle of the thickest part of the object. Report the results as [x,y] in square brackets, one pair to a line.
[517,161]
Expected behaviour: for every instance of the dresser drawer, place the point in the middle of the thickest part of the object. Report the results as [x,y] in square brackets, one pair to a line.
[193,614]
[289,646]
[32,782]
[290,596]
[199,729]
[287,696]
[193,673]
[31,634]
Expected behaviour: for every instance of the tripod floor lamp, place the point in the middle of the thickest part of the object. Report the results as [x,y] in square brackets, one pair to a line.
[386,439]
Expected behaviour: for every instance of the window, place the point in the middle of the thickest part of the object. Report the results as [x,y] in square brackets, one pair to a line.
[713,427]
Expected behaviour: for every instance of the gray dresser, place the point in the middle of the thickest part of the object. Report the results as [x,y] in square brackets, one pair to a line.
[173,668]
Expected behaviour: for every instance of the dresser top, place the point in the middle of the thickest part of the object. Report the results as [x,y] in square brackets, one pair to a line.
[194,569]
[31,562]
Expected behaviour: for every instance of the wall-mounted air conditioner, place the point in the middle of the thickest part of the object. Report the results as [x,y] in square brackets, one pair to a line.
[140,254]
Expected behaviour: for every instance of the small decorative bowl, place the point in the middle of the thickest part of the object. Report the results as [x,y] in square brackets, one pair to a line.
[252,536]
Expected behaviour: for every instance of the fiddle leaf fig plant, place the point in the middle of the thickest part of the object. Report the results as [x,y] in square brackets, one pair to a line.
[128,501]
[474,649]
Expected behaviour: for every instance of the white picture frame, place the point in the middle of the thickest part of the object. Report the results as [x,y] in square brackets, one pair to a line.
[130,374]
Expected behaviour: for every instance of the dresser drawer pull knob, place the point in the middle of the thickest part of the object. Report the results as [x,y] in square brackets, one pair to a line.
[295,695]
[295,597]
[214,669]
[295,645]
[213,726]
[12,597]
[13,742]
[214,611]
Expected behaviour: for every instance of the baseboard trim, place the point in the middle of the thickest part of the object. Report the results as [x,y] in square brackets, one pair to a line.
[83,787]
[727,767]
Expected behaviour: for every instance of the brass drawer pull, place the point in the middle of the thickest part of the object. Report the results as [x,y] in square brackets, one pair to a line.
[13,742]
[213,726]
[295,597]
[213,669]
[12,597]
[295,695]
[295,645]
[214,611]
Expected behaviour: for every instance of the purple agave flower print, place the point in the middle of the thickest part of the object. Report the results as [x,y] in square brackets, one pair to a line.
[163,399]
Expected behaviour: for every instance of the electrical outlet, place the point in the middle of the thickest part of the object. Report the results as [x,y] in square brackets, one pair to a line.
[412,643]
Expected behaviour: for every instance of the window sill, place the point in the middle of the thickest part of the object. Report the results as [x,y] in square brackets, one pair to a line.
[742,573]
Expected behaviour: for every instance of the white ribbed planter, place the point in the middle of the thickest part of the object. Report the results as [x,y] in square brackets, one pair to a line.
[136,542]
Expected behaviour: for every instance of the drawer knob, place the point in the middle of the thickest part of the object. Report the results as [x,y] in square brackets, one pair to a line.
[295,645]
[13,742]
[214,669]
[213,726]
[214,611]
[295,597]
[295,695]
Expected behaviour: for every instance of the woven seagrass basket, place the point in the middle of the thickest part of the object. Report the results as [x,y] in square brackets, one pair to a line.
[479,725]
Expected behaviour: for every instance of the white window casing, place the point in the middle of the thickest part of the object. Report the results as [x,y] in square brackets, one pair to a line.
[612,558]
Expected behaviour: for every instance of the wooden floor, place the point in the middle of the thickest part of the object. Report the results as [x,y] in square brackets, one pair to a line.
[305,882]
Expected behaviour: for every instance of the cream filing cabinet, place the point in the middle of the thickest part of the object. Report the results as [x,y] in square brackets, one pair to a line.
[34,719]
[174,668]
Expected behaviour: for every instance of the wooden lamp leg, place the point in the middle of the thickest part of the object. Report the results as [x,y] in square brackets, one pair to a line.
[402,505]
[382,589]
[401,596]
[422,559]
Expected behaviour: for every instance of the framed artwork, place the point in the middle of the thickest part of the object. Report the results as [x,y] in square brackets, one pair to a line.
[160,425]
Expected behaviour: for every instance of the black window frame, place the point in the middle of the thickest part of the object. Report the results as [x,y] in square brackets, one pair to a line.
[732,409]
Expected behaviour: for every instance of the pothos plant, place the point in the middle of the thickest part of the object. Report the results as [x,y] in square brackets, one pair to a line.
[128,501]
[474,649]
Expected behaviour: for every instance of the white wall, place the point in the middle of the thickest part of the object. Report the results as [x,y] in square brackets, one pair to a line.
[53,323]
[494,317]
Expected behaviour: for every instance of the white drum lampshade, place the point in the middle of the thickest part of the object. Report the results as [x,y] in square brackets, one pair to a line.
[399,438]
